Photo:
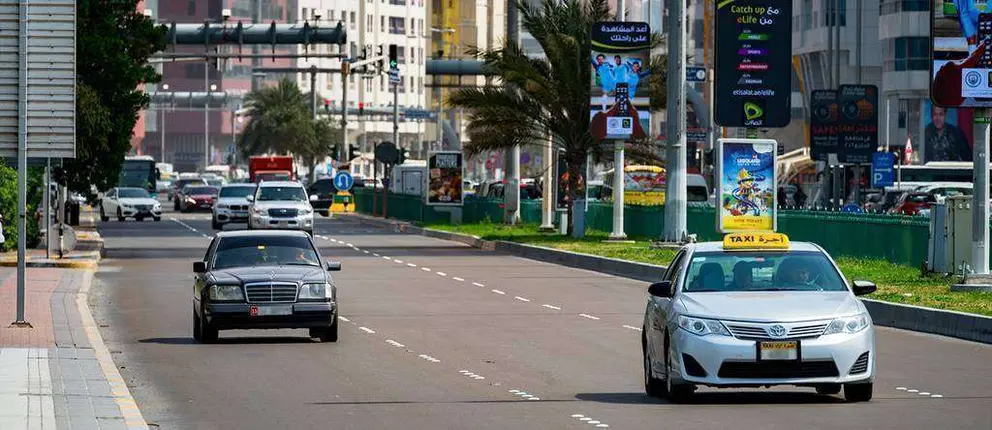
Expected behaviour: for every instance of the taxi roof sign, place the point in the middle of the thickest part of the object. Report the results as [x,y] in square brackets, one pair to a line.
[755,240]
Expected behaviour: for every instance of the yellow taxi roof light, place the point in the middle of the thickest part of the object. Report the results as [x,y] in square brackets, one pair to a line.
[755,240]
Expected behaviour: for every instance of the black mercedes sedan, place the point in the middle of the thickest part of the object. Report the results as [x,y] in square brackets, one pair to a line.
[270,279]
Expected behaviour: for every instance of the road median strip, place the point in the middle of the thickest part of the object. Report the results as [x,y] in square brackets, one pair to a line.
[904,299]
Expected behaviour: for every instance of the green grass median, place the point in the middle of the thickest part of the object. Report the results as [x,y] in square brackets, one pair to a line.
[896,283]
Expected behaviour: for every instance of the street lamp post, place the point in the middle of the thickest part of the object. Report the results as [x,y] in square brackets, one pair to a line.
[440,90]
[206,117]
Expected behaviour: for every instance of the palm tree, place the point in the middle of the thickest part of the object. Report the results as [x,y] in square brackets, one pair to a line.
[545,99]
[281,122]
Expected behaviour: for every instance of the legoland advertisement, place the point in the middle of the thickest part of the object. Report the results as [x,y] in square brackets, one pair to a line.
[746,185]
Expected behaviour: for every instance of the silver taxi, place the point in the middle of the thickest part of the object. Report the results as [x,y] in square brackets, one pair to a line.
[756,310]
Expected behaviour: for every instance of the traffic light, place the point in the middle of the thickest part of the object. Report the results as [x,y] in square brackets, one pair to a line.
[354,152]
[393,57]
[327,105]
[402,155]
[335,150]
[361,108]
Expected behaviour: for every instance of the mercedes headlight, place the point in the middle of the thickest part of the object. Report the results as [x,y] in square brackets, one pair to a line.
[226,292]
[702,326]
[851,324]
[317,291]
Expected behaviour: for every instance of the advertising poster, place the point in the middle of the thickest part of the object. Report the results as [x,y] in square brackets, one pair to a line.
[619,89]
[962,53]
[746,185]
[858,134]
[561,182]
[753,63]
[947,135]
[444,178]
[824,119]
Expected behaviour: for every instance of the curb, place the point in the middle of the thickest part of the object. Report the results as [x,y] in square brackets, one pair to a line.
[133,419]
[960,325]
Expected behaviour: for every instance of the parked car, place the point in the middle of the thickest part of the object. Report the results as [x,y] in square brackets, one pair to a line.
[125,202]
[912,203]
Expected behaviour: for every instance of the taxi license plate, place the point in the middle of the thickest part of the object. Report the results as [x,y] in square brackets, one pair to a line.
[259,311]
[779,350]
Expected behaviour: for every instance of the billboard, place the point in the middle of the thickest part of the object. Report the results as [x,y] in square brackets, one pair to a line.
[961,43]
[746,185]
[948,134]
[753,63]
[857,137]
[619,89]
[444,178]
[823,123]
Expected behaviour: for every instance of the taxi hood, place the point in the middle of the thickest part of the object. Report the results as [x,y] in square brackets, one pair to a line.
[771,306]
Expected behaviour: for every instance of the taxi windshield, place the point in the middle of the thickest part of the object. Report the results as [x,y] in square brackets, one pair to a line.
[761,271]
[265,251]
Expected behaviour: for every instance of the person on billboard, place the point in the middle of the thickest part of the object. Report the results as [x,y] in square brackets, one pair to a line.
[946,89]
[968,18]
[944,141]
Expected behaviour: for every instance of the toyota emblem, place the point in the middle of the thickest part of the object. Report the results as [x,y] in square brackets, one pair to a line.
[776,330]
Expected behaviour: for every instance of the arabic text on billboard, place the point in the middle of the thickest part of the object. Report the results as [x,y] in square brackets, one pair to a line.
[619,88]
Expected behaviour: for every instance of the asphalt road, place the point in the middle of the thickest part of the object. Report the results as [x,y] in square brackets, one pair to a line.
[437,335]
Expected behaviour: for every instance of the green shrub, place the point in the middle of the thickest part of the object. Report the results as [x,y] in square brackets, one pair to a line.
[8,205]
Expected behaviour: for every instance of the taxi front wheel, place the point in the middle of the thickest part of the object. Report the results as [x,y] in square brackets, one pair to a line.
[858,392]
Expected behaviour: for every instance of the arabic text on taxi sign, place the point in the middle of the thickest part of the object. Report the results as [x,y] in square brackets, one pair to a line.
[756,240]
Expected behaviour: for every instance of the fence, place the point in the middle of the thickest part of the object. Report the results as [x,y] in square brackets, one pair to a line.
[896,238]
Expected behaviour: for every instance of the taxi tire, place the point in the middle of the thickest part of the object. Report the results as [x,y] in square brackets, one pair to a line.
[120,215]
[103,216]
[854,393]
[676,393]
[654,387]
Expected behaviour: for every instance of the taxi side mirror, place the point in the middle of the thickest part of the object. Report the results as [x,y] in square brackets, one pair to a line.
[661,289]
[864,287]
[199,267]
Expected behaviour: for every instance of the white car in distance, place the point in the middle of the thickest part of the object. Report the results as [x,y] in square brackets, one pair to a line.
[126,203]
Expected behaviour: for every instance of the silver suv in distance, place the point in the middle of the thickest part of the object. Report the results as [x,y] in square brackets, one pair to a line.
[232,204]
[280,205]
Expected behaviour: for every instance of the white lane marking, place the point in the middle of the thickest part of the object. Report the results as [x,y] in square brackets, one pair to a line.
[576,415]
[386,258]
[498,292]
[480,377]
[631,327]
[478,284]
[411,264]
[913,391]
[551,307]
[522,299]
[344,319]
[394,343]
[513,391]
[936,396]
[426,269]
[188,227]
[924,393]
[527,396]
[585,419]
[588,316]
[441,274]
[602,426]
[429,358]
[367,330]
[366,251]
[593,422]
[534,398]
[376,254]
[901,388]
[398,261]
[457,279]
[348,244]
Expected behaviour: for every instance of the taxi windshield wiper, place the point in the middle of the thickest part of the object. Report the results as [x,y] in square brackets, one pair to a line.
[777,289]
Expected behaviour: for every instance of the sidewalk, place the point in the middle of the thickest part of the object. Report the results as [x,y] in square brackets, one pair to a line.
[58,374]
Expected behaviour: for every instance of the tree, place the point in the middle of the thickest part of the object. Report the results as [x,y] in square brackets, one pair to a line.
[281,122]
[544,98]
[114,42]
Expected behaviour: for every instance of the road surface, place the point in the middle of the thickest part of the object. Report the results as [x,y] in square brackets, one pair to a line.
[437,335]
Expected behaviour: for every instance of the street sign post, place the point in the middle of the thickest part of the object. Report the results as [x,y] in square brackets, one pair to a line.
[343,181]
[882,169]
[695,74]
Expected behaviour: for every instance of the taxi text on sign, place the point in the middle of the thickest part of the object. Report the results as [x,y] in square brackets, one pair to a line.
[746,185]
[755,240]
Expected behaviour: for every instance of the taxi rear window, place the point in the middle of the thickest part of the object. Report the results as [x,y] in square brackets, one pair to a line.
[761,271]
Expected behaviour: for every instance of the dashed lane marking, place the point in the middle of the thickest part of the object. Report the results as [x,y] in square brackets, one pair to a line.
[366,251]
[367,330]
[631,327]
[522,299]
[386,258]
[426,269]
[441,274]
[551,307]
[344,319]
[395,343]
[498,292]
[457,279]
[376,254]
[398,261]
[429,358]
[588,316]
[411,264]
[478,284]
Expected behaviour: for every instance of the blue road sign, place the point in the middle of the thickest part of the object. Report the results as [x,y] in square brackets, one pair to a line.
[882,169]
[695,74]
[394,76]
[343,181]
[417,114]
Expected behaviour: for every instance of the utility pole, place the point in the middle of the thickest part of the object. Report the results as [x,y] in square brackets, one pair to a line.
[980,202]
[618,169]
[345,71]
[206,117]
[511,189]
[256,61]
[675,194]
[396,112]
[547,205]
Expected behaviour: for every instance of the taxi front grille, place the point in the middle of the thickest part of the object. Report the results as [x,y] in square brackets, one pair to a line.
[778,369]
[271,293]
[860,365]
[761,331]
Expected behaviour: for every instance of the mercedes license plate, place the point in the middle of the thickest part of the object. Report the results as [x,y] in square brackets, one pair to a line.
[261,311]
[779,350]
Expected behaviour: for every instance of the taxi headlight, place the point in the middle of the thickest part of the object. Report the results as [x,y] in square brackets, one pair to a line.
[851,324]
[702,326]
[317,291]
[226,292]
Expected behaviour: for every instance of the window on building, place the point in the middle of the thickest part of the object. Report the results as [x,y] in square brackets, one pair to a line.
[352,19]
[907,53]
[382,23]
[398,2]
[903,106]
[401,54]
[305,13]
[191,8]
[397,25]
[828,19]
[382,83]
[807,13]
[420,84]
[420,55]
[887,7]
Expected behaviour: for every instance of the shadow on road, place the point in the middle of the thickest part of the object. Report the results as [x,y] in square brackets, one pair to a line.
[716,398]
[228,340]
